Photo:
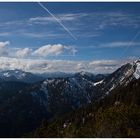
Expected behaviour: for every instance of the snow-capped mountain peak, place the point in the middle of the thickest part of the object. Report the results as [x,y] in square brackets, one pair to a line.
[19,75]
[137,69]
[13,73]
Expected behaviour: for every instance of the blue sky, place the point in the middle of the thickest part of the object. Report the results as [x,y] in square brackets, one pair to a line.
[104,32]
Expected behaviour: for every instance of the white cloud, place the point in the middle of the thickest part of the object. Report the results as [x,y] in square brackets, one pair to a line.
[33,35]
[62,17]
[99,20]
[118,44]
[76,22]
[41,35]
[25,52]
[49,50]
[105,66]
[41,52]
[55,49]
[104,62]
[3,48]
[40,66]
[3,44]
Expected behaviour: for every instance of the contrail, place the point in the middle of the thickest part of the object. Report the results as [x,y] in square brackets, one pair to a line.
[64,27]
[130,43]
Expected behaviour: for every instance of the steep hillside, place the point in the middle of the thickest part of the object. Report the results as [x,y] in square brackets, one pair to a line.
[117,115]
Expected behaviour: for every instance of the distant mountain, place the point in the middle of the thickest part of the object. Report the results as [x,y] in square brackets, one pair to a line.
[27,77]
[19,75]
[55,74]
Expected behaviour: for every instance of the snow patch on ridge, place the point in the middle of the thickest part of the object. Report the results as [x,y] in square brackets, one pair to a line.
[6,74]
[97,83]
[137,71]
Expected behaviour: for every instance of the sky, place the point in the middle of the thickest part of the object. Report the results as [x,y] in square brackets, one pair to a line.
[68,36]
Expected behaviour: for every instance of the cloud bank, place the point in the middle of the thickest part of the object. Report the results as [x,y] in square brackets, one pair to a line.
[41,66]
[41,52]
[37,60]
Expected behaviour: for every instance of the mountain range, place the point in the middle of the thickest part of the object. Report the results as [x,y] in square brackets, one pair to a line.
[26,99]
